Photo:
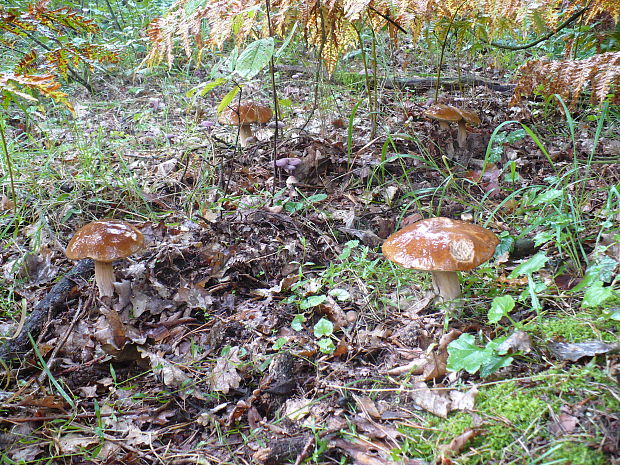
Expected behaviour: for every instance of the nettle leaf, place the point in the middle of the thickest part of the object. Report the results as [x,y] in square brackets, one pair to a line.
[323,327]
[531,266]
[312,301]
[500,307]
[464,354]
[596,295]
[255,57]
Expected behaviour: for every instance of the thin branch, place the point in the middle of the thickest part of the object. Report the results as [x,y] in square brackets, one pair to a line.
[572,18]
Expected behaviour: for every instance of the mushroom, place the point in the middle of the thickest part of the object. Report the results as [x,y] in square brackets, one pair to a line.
[446,114]
[467,117]
[243,115]
[442,246]
[104,241]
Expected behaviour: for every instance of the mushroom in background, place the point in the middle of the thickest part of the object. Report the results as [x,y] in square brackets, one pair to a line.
[446,114]
[105,241]
[468,117]
[442,246]
[244,115]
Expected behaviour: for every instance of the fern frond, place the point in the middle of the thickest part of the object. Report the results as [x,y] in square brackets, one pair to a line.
[568,78]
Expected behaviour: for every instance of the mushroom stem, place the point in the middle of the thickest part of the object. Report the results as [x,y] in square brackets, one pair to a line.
[446,284]
[462,135]
[245,132]
[104,277]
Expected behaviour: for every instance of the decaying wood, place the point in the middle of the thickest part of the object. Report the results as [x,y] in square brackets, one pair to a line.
[47,308]
[425,83]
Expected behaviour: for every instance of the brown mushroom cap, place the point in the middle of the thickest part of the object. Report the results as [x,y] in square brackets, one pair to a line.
[105,241]
[441,244]
[246,113]
[470,117]
[443,112]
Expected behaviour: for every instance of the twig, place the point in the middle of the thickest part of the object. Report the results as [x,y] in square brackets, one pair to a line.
[572,18]
[275,107]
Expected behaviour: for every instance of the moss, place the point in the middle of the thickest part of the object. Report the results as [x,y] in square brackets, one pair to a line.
[516,421]
[586,327]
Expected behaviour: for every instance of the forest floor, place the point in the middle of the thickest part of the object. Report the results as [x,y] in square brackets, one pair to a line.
[261,323]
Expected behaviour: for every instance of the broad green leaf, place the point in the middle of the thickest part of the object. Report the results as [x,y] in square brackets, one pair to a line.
[531,266]
[205,87]
[596,295]
[227,99]
[463,354]
[340,294]
[547,196]
[280,342]
[323,327]
[312,301]
[506,243]
[500,307]
[326,345]
[298,322]
[255,57]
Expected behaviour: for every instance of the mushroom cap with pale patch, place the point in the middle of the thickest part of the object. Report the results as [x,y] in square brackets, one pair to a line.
[442,112]
[246,113]
[441,244]
[105,241]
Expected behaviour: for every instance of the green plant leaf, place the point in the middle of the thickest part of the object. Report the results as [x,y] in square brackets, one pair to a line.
[340,294]
[596,295]
[500,307]
[326,345]
[312,301]
[255,57]
[205,87]
[227,99]
[323,327]
[531,266]
[464,354]
[547,196]
[298,322]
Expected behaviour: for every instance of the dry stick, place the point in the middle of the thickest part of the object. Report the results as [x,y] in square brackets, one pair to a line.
[51,303]
[275,106]
[571,19]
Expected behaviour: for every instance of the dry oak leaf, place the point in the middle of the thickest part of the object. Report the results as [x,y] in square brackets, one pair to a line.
[224,375]
[171,374]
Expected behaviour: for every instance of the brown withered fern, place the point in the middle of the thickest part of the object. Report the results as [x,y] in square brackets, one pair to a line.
[568,78]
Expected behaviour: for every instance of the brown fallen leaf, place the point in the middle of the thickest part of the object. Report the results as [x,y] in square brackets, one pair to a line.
[519,341]
[366,453]
[575,351]
[224,375]
[431,401]
[565,423]
[455,446]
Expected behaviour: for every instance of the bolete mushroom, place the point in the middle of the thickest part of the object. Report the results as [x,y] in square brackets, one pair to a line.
[442,246]
[104,241]
[445,114]
[467,117]
[243,115]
